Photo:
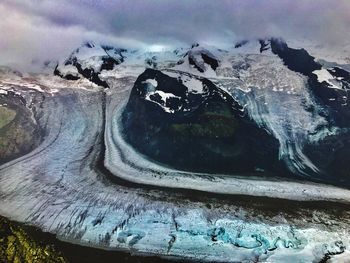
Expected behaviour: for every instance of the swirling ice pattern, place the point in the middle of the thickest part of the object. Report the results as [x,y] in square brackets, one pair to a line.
[58,188]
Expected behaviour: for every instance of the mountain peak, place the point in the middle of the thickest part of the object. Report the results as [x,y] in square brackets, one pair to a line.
[89,44]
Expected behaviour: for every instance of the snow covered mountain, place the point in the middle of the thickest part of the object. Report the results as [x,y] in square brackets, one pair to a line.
[187,122]
[93,61]
[297,99]
[88,61]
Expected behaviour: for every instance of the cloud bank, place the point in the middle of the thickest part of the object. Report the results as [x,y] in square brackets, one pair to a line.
[39,30]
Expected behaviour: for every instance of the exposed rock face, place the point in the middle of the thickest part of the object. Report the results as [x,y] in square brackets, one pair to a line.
[19,134]
[201,58]
[201,131]
[297,60]
[330,86]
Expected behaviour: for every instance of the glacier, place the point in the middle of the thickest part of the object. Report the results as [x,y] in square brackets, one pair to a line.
[87,185]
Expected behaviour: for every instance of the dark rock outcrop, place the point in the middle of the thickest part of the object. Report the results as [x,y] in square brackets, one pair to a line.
[334,99]
[298,60]
[331,156]
[200,58]
[198,131]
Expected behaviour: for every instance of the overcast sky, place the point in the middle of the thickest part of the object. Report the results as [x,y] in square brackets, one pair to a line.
[38,30]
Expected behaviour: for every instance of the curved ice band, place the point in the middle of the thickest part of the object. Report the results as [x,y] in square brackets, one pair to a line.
[124,162]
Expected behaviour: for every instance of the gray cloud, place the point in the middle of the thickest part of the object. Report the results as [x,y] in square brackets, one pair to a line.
[42,29]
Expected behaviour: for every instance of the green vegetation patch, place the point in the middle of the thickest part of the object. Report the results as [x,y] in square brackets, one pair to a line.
[216,122]
[6,116]
[212,126]
[17,246]
[18,133]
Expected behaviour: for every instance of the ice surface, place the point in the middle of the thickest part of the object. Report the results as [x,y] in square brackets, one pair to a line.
[324,76]
[55,188]
[152,82]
